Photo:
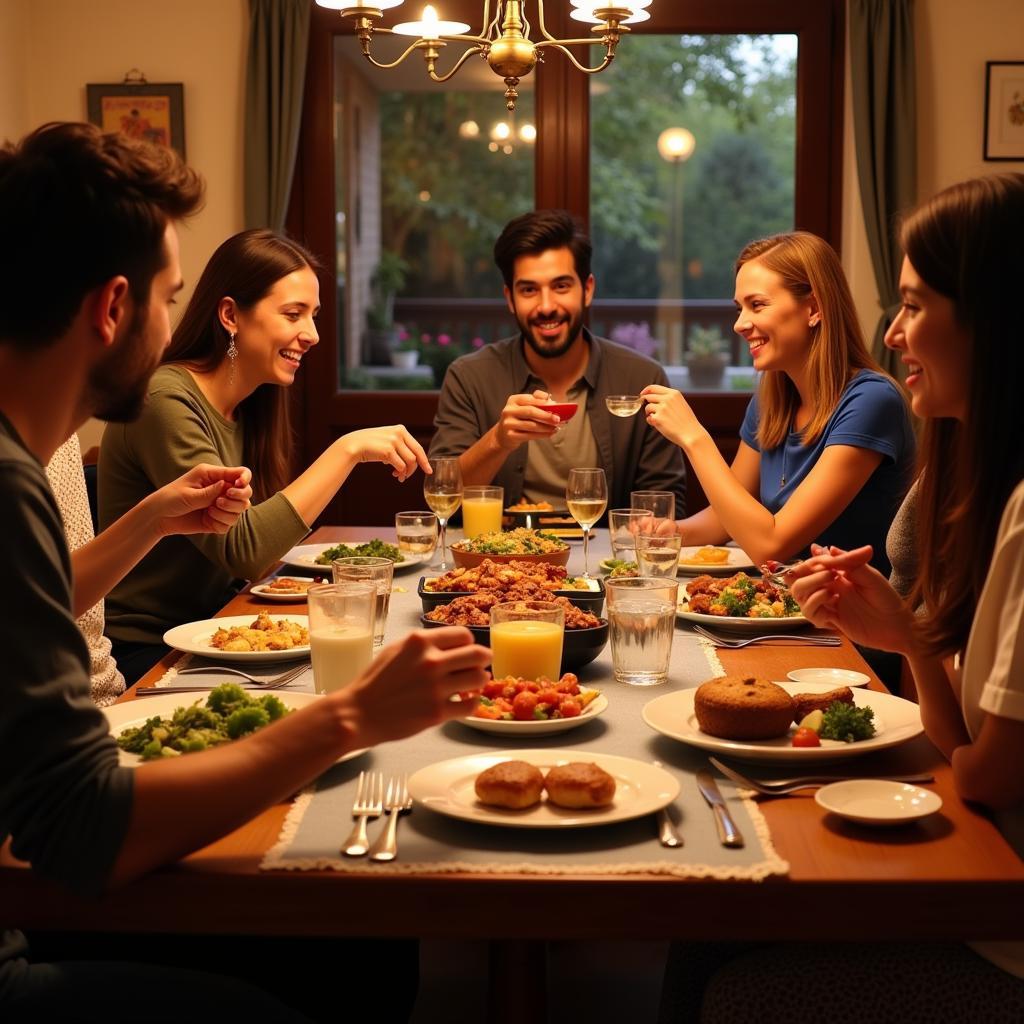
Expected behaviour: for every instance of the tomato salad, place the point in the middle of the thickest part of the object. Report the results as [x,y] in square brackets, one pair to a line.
[529,700]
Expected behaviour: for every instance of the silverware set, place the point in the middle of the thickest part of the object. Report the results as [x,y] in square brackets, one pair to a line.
[255,682]
[373,800]
[792,639]
[780,787]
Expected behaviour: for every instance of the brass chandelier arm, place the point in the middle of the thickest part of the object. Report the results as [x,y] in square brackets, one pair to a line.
[458,64]
[560,45]
[365,42]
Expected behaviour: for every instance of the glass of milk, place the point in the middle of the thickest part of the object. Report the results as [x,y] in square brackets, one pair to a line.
[341,618]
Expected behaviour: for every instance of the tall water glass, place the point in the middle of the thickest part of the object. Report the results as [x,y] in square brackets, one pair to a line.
[623,526]
[416,533]
[526,639]
[481,509]
[442,490]
[641,620]
[661,503]
[658,555]
[340,631]
[586,495]
[380,572]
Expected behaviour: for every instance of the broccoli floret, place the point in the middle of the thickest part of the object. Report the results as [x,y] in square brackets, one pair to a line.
[737,600]
[152,749]
[847,722]
[246,719]
[226,697]
[273,706]
[791,607]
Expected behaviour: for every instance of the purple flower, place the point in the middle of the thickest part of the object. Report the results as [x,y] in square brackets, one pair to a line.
[477,343]
[637,337]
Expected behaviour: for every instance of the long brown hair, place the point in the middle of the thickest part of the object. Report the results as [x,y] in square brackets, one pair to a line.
[245,267]
[965,243]
[810,268]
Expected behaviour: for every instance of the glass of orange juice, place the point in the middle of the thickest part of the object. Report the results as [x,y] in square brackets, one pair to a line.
[481,509]
[341,618]
[526,639]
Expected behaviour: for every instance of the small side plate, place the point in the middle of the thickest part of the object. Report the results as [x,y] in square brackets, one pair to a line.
[830,676]
[877,801]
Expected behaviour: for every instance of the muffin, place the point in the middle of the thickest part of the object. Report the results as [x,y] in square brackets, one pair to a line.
[512,784]
[579,785]
[743,708]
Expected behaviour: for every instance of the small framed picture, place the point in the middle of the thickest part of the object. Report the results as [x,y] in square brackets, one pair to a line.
[154,112]
[1004,110]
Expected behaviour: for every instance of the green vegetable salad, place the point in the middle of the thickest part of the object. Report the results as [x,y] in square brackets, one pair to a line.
[847,722]
[375,548]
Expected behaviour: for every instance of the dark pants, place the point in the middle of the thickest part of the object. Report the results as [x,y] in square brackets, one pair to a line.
[135,660]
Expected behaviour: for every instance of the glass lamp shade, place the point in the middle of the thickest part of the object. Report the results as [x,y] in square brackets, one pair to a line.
[353,5]
[676,144]
[430,27]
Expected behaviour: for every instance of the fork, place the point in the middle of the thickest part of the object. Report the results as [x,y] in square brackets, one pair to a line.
[778,574]
[790,638]
[369,803]
[273,683]
[398,801]
[780,787]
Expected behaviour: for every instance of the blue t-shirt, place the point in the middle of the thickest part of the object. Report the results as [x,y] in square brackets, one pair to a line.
[871,414]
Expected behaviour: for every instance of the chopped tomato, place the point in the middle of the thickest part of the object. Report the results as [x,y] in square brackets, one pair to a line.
[550,697]
[806,738]
[494,688]
[523,705]
[569,708]
[487,711]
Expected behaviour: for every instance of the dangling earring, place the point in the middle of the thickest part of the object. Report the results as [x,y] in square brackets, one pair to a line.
[232,357]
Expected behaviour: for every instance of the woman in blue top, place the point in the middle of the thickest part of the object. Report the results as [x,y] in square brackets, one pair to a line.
[827,450]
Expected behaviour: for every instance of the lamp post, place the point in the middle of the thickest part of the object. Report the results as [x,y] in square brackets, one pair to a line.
[676,146]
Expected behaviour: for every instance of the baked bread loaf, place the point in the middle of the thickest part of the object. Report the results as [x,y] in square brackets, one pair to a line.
[513,784]
[580,784]
[743,708]
[805,703]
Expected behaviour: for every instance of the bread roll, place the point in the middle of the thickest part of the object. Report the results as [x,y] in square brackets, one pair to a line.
[580,784]
[513,784]
[743,708]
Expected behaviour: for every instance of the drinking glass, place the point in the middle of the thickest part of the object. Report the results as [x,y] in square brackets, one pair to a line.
[380,572]
[586,495]
[442,490]
[661,503]
[623,405]
[658,555]
[641,622]
[340,631]
[623,526]
[416,533]
[481,509]
[526,639]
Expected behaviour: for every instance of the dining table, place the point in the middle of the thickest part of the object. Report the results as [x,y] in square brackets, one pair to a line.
[950,875]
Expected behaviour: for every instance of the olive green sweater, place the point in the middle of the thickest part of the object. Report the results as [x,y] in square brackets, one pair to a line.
[183,578]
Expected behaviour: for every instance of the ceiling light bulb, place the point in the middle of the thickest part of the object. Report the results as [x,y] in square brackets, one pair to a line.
[528,133]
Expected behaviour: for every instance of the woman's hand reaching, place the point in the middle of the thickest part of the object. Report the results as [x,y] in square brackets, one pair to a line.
[394,446]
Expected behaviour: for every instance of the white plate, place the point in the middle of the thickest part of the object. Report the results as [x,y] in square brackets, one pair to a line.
[877,801]
[262,591]
[135,712]
[729,624]
[194,638]
[831,677]
[896,721]
[447,787]
[305,557]
[738,559]
[513,728]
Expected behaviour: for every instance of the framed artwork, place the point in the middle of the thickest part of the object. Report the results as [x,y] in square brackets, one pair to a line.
[1004,110]
[151,111]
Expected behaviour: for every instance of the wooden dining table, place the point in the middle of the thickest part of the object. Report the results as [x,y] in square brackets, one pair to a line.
[948,876]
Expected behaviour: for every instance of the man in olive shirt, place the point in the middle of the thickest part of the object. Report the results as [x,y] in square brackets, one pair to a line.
[490,413]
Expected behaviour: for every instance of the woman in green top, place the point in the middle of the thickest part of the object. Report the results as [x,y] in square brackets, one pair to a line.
[220,398]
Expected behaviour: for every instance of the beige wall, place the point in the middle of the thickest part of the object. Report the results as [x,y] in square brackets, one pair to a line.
[50,49]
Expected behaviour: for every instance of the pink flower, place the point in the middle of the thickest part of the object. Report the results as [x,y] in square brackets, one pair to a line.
[477,343]
[444,339]
[403,334]
[425,338]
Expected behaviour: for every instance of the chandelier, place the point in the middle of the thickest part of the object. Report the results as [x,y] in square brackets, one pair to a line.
[504,40]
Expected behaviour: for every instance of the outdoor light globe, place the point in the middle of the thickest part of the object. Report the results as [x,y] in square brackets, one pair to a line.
[676,145]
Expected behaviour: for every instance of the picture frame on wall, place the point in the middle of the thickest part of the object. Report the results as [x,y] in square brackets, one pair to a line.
[154,112]
[1004,110]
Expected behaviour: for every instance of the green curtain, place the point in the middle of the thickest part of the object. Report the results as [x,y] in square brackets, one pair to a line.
[275,74]
[885,136]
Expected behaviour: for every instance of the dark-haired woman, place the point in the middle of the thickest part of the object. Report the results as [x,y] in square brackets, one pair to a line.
[221,398]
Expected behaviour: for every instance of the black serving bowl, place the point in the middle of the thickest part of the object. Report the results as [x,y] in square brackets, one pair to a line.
[580,646]
[589,600]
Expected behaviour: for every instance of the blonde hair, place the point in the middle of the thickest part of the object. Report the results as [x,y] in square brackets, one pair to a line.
[810,269]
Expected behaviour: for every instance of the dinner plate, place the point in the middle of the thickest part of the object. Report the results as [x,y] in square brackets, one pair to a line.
[264,593]
[896,721]
[728,623]
[832,677]
[135,712]
[877,801]
[194,638]
[738,560]
[536,728]
[448,788]
[305,557]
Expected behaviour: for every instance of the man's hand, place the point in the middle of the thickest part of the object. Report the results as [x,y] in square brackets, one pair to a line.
[394,446]
[408,686]
[524,419]
[207,499]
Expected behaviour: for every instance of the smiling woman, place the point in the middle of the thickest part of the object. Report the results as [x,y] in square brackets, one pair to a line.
[220,398]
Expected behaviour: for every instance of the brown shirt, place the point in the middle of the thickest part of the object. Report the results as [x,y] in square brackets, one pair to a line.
[632,454]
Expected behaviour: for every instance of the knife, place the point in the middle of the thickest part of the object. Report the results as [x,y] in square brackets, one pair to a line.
[728,833]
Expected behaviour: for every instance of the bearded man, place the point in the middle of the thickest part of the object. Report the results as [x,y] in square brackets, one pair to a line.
[491,411]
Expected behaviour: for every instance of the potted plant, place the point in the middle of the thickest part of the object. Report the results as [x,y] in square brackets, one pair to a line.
[387,279]
[406,353]
[706,357]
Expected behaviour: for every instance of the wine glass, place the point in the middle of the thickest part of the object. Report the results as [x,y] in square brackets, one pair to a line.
[586,495]
[442,491]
